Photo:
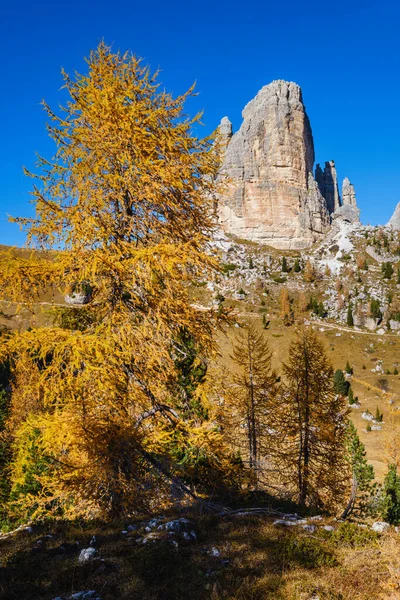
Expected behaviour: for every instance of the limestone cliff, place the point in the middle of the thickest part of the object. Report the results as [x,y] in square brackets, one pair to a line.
[328,185]
[394,221]
[272,196]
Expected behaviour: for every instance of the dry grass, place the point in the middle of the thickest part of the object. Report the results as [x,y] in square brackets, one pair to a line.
[258,561]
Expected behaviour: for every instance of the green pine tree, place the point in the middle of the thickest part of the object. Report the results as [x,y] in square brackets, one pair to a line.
[351,396]
[348,368]
[297,267]
[362,473]
[375,308]
[391,496]
[341,385]
[387,270]
[350,320]
[284,265]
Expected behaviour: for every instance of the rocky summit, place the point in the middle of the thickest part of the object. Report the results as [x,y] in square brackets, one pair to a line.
[271,194]
[394,221]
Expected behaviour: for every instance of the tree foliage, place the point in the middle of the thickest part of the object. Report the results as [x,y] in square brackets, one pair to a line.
[391,496]
[313,424]
[251,398]
[125,205]
[341,385]
[362,473]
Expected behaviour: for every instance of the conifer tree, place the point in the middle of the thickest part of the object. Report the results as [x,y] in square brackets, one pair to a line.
[309,273]
[313,424]
[391,496]
[362,473]
[387,270]
[296,266]
[284,265]
[348,368]
[286,307]
[251,399]
[350,320]
[125,207]
[341,385]
[350,396]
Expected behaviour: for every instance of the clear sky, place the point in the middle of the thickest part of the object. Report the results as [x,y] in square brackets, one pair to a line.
[344,54]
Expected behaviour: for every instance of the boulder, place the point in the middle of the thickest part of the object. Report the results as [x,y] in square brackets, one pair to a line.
[87,554]
[77,298]
[351,214]
[380,526]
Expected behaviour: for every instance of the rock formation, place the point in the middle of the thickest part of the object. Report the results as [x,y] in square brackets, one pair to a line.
[394,221]
[271,194]
[328,185]
[348,210]
[224,132]
[348,193]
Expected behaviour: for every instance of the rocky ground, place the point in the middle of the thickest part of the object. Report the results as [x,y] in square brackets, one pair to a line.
[233,556]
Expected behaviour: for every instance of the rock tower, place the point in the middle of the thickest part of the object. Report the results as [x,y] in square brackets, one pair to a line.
[271,195]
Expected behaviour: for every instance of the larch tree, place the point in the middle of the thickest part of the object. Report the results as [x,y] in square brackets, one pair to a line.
[313,421]
[286,310]
[251,397]
[123,212]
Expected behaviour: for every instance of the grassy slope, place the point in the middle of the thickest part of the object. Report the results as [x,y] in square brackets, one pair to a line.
[354,347]
[261,561]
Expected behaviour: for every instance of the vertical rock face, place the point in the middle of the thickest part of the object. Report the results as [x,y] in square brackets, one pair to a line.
[271,193]
[348,193]
[225,132]
[328,185]
[394,221]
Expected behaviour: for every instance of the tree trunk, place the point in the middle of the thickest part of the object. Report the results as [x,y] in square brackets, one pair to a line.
[350,505]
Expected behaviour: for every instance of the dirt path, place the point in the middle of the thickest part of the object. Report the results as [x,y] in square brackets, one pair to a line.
[356,331]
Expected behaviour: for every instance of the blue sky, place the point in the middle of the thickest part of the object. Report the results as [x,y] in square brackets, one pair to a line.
[344,54]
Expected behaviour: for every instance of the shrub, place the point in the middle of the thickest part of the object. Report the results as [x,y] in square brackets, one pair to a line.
[228,267]
[349,369]
[375,309]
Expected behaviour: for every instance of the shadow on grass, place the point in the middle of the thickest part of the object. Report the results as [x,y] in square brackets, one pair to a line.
[229,553]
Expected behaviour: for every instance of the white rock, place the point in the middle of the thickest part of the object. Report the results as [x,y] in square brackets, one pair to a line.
[87,554]
[380,526]
[285,522]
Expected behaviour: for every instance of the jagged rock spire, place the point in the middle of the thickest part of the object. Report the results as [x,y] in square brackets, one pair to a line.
[224,133]
[348,193]
[328,185]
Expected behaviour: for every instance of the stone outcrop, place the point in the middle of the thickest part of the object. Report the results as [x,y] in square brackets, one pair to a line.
[348,209]
[351,214]
[394,221]
[348,193]
[271,194]
[224,133]
[328,185]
